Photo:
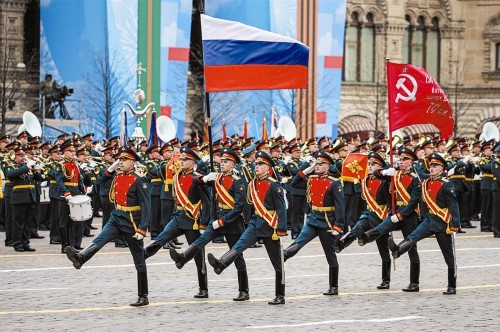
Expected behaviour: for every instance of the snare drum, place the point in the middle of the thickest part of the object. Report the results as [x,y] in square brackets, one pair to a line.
[44,195]
[80,208]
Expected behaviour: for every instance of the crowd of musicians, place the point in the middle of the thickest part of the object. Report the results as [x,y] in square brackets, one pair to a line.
[255,194]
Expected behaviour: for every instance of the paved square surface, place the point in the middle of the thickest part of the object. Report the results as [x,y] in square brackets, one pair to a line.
[42,291]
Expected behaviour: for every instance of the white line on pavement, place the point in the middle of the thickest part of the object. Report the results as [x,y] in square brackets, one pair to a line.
[247,259]
[32,289]
[375,320]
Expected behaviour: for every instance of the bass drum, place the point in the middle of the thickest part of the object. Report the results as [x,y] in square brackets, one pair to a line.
[80,208]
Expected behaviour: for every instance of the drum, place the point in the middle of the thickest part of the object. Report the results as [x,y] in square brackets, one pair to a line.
[44,195]
[80,208]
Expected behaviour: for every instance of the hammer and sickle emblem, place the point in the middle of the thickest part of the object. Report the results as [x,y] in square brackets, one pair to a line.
[410,95]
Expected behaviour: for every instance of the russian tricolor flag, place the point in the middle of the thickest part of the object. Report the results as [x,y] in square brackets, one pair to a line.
[240,57]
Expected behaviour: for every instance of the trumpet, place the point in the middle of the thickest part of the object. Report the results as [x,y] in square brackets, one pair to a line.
[140,169]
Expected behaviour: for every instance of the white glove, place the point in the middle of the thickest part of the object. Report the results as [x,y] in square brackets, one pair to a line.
[113,167]
[92,164]
[335,233]
[388,172]
[287,159]
[309,158]
[89,189]
[68,198]
[451,171]
[215,224]
[206,158]
[310,169]
[138,236]
[394,218]
[210,177]
[467,159]
[31,163]
[84,166]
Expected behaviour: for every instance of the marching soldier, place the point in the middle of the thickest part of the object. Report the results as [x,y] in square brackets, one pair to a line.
[405,218]
[486,184]
[23,198]
[193,212]
[55,157]
[441,218]
[70,181]
[130,218]
[230,195]
[422,167]
[377,196]
[326,218]
[456,174]
[268,223]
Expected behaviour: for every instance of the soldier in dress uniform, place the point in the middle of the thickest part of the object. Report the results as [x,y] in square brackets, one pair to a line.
[193,213]
[32,222]
[422,166]
[43,210]
[70,180]
[152,163]
[486,184]
[23,198]
[326,219]
[456,174]
[8,192]
[377,196]
[129,219]
[476,208]
[405,218]
[4,140]
[495,191]
[55,157]
[230,195]
[83,228]
[471,170]
[268,223]
[166,171]
[298,194]
[441,218]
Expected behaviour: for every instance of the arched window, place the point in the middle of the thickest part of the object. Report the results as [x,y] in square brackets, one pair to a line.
[359,49]
[421,44]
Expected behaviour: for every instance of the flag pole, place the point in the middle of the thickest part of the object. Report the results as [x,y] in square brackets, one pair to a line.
[209,119]
[391,163]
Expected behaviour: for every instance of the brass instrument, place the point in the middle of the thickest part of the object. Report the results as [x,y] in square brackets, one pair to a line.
[140,169]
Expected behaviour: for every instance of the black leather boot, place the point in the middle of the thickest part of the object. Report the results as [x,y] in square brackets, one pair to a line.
[203,284]
[151,249]
[280,290]
[402,247]
[291,251]
[220,264]
[243,286]
[452,283]
[386,275]
[333,277]
[182,258]
[78,258]
[414,278]
[366,237]
[176,242]
[344,242]
[142,290]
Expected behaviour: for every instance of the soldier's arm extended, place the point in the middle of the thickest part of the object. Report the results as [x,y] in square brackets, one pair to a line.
[14,173]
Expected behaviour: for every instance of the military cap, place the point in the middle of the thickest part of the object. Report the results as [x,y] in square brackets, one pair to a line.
[295,147]
[18,150]
[63,136]
[67,144]
[453,147]
[249,149]
[187,153]
[89,136]
[323,139]
[323,157]
[339,147]
[143,143]
[166,147]
[28,148]
[108,150]
[427,144]
[193,144]
[228,154]
[22,134]
[436,159]
[294,141]
[381,137]
[276,147]
[263,158]
[376,158]
[407,141]
[55,148]
[81,152]
[114,139]
[311,141]
[476,142]
[5,138]
[286,149]
[363,145]
[379,148]
[487,145]
[261,144]
[128,153]
[151,149]
[12,146]
[405,153]
[45,145]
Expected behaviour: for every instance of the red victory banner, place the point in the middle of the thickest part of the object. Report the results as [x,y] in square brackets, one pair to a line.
[415,97]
